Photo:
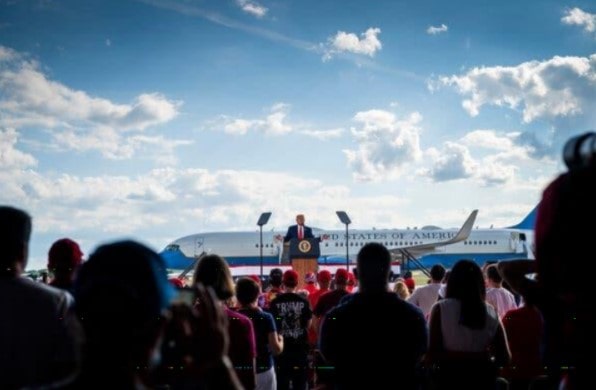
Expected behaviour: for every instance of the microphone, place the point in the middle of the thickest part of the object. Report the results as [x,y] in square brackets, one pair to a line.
[580,151]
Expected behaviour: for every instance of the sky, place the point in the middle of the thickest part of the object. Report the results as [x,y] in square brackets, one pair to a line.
[156,119]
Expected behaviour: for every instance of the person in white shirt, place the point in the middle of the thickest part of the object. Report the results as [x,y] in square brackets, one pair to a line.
[424,297]
[500,298]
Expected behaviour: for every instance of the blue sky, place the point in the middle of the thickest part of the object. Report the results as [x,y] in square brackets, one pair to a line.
[156,119]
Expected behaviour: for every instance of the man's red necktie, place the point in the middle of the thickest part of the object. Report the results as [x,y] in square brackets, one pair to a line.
[300,233]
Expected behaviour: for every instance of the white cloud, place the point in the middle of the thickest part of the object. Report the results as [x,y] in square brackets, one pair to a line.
[452,163]
[432,30]
[75,119]
[273,123]
[7,54]
[323,135]
[113,145]
[578,17]
[11,158]
[108,42]
[385,144]
[28,93]
[490,139]
[498,157]
[558,87]
[368,43]
[252,7]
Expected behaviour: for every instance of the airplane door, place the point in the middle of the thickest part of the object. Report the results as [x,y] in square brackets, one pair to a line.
[514,241]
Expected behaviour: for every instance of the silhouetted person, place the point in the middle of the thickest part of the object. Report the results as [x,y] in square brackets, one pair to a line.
[39,334]
[565,266]
[123,298]
[213,271]
[359,337]
[64,258]
[467,342]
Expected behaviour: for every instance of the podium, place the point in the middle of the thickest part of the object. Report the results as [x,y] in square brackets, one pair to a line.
[304,257]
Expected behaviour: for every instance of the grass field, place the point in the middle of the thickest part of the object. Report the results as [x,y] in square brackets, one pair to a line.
[420,278]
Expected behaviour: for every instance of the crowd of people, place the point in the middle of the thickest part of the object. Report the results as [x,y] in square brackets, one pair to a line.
[116,321]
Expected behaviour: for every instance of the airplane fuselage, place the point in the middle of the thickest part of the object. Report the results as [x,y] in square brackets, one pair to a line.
[243,248]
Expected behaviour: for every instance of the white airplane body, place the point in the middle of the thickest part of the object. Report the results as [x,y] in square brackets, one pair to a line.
[425,246]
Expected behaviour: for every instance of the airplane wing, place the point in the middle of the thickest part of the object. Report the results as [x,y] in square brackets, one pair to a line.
[461,235]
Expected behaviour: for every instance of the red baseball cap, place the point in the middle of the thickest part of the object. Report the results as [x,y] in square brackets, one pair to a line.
[65,253]
[341,276]
[290,277]
[324,276]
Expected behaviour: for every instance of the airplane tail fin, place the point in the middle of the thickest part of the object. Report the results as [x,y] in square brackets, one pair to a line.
[528,222]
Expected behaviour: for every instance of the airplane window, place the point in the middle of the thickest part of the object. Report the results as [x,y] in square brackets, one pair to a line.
[336,244]
[484,242]
[256,245]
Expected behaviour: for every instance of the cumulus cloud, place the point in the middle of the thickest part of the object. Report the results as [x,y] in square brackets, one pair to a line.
[578,17]
[30,99]
[432,30]
[252,7]
[367,44]
[274,123]
[453,162]
[488,157]
[385,144]
[555,88]
[10,157]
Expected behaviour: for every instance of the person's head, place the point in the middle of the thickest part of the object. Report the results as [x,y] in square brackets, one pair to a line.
[290,279]
[255,278]
[324,278]
[341,278]
[408,275]
[401,290]
[493,275]
[466,285]
[120,294]
[437,273]
[300,219]
[247,291]
[373,267]
[446,277]
[213,271]
[64,257]
[15,232]
[275,277]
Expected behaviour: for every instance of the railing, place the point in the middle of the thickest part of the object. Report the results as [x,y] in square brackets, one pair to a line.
[191,266]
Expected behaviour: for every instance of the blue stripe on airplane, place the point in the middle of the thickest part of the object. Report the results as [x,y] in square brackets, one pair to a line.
[177,260]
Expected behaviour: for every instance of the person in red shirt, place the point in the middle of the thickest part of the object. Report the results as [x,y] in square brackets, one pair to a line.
[310,280]
[324,279]
[410,282]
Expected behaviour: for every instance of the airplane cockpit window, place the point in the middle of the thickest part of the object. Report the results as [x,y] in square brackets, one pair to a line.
[172,247]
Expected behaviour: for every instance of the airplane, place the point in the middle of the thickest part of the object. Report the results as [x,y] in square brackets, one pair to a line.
[414,248]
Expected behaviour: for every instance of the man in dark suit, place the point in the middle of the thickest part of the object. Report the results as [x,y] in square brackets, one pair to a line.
[299,231]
